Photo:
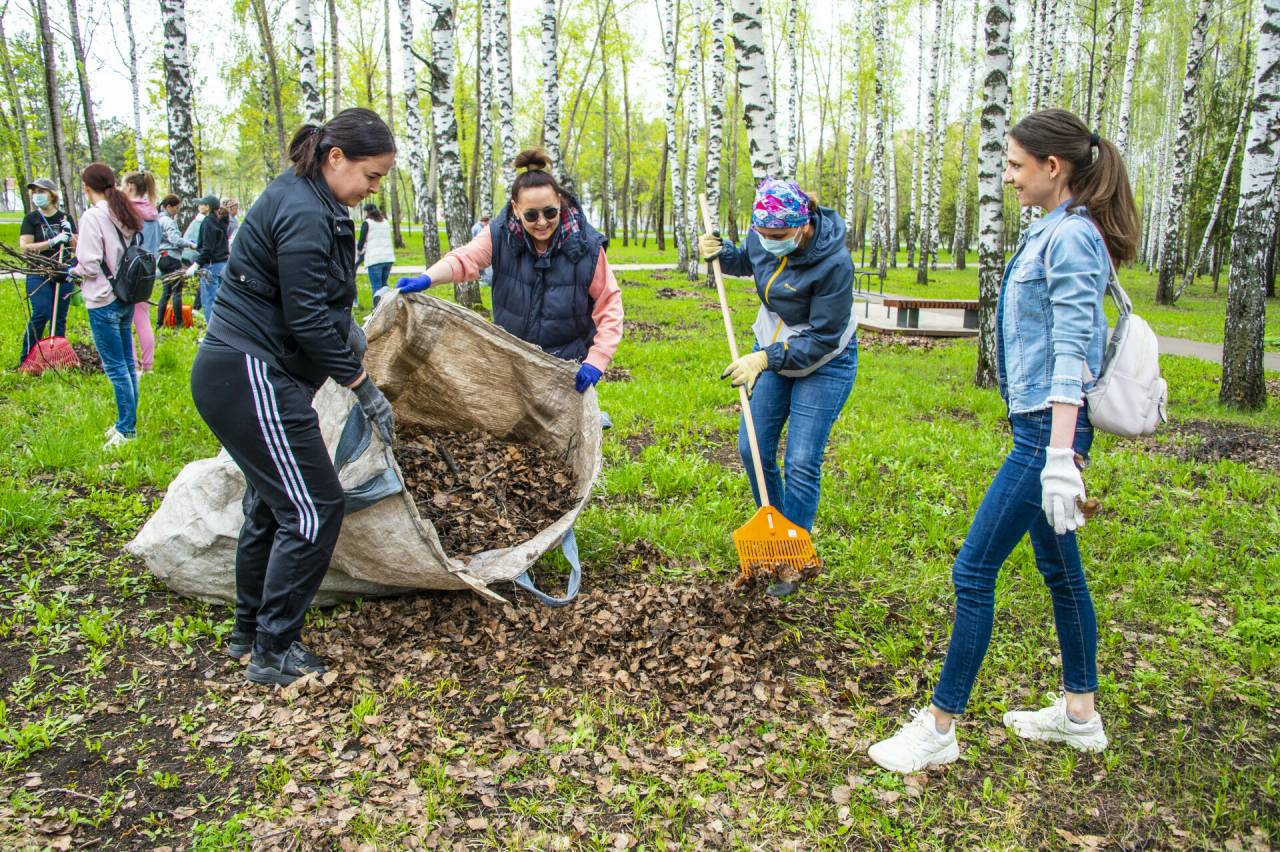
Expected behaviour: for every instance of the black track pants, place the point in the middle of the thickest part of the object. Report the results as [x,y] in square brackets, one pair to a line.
[293,502]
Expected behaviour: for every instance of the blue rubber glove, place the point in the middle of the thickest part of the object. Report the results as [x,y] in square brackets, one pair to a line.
[416,284]
[587,377]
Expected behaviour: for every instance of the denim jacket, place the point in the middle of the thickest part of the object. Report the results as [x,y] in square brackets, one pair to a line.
[1050,321]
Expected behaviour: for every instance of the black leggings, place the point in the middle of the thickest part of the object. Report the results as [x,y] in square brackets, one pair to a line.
[166,265]
[293,501]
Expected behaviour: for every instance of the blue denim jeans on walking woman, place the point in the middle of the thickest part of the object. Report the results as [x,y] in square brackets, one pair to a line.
[210,280]
[378,275]
[112,327]
[1011,509]
[811,404]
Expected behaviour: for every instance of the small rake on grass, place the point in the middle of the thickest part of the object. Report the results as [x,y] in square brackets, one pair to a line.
[771,549]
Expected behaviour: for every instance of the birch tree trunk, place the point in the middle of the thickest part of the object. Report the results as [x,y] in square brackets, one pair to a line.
[926,168]
[715,108]
[793,71]
[139,155]
[879,215]
[19,114]
[680,232]
[993,128]
[1040,21]
[959,239]
[1126,86]
[393,178]
[53,105]
[693,125]
[1217,202]
[335,52]
[1243,380]
[551,93]
[1180,175]
[917,153]
[82,73]
[268,42]
[891,210]
[503,87]
[1099,106]
[1048,58]
[425,209]
[753,89]
[304,46]
[177,84]
[485,205]
[449,162]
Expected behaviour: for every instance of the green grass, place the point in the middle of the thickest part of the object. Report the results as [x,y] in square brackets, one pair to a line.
[1182,561]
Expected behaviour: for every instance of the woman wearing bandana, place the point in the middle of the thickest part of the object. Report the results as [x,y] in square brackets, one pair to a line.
[805,357]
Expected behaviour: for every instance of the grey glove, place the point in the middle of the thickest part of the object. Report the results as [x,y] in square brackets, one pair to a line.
[356,340]
[377,409]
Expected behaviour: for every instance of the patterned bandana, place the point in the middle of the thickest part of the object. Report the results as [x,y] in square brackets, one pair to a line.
[780,204]
[568,224]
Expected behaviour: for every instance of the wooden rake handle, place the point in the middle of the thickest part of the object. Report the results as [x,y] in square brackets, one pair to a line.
[733,350]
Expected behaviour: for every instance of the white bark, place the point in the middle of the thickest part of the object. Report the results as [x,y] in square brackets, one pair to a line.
[715,107]
[931,123]
[304,45]
[424,210]
[1099,106]
[177,77]
[503,89]
[693,126]
[140,155]
[793,71]
[551,92]
[891,210]
[335,57]
[679,230]
[452,186]
[1180,174]
[1038,57]
[15,101]
[913,215]
[1049,58]
[1217,201]
[994,127]
[82,72]
[1126,87]
[959,241]
[1243,380]
[753,89]
[879,215]
[485,205]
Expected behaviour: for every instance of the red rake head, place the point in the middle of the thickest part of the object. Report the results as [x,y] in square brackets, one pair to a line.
[51,353]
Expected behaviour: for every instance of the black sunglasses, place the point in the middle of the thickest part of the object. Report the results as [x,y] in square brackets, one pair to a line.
[548,213]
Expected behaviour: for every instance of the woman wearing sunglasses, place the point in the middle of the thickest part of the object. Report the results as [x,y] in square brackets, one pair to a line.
[552,285]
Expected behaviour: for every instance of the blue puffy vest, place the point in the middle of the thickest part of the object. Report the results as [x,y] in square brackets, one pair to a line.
[544,299]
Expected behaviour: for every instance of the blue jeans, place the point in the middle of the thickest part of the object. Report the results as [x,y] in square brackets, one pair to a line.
[40,294]
[378,275]
[112,327]
[1010,510]
[812,404]
[210,280]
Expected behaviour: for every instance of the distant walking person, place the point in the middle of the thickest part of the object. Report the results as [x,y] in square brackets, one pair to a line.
[169,260]
[283,326]
[1051,332]
[49,232]
[212,250]
[232,206]
[105,228]
[140,188]
[376,249]
[486,274]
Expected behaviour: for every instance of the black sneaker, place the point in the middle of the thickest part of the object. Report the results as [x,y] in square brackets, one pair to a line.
[284,668]
[240,643]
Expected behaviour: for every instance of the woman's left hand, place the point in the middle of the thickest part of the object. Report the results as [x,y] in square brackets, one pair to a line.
[1062,490]
[587,377]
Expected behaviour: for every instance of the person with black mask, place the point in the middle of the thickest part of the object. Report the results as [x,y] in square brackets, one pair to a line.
[283,326]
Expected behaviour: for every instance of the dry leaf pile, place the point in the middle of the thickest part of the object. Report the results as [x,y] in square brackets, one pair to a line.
[617,374]
[1208,443]
[90,360]
[481,492]
[674,293]
[874,341]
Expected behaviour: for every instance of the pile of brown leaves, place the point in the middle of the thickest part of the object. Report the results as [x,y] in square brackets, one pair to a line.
[1208,443]
[673,293]
[617,374]
[90,360]
[480,492]
[899,342]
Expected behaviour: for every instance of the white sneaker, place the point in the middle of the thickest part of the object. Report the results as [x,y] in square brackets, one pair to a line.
[1051,724]
[917,746]
[115,439]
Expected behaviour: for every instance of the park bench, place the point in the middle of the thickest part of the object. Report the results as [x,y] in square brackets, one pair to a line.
[909,310]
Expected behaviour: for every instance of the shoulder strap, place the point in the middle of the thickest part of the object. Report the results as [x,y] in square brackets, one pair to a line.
[1117,293]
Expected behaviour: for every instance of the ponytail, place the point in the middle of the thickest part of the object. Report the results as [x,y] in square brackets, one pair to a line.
[358,133]
[1098,182]
[100,178]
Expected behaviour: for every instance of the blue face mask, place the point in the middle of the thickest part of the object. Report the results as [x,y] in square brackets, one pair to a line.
[778,248]
[39,199]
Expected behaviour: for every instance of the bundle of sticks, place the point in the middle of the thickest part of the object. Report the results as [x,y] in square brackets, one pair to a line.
[17,262]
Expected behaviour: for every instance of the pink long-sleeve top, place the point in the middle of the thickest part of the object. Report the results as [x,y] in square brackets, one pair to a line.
[468,261]
[98,240]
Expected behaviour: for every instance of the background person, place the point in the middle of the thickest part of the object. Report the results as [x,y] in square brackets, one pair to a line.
[283,326]
[376,249]
[805,359]
[212,251]
[1050,326]
[552,285]
[169,260]
[109,223]
[486,274]
[232,206]
[49,232]
[192,235]
[140,188]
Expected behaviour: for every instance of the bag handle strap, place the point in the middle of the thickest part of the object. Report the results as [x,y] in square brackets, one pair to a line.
[569,547]
[1117,293]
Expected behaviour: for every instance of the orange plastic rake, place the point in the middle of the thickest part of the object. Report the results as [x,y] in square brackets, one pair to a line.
[770,548]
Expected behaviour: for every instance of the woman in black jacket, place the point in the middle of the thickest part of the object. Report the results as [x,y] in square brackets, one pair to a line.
[283,327]
[212,250]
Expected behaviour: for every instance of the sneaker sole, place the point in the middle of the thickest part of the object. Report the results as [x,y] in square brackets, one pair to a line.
[950,755]
[1089,743]
[259,675]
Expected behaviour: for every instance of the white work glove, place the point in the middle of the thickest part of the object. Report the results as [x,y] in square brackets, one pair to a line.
[1062,490]
[59,238]
[192,270]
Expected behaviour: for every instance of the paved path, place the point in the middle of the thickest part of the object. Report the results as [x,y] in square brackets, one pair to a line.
[616,267]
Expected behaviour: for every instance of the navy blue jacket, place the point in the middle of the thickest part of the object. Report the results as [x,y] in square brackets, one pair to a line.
[811,286]
[545,299]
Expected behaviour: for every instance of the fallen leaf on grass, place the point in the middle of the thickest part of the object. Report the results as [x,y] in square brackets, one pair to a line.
[478,824]
[842,794]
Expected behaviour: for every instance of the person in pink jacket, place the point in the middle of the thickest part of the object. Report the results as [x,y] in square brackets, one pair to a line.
[105,229]
[140,187]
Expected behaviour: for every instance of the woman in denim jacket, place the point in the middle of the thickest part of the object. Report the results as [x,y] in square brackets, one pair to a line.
[1051,331]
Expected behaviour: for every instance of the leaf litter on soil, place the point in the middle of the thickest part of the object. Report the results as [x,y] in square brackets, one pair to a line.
[481,492]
